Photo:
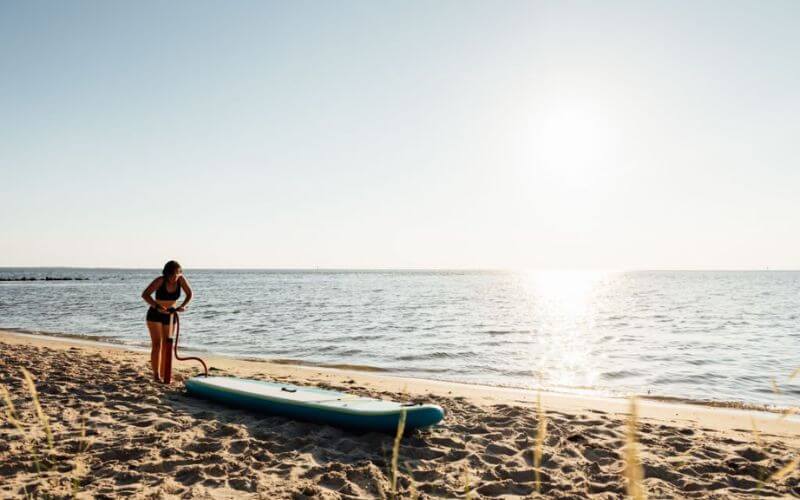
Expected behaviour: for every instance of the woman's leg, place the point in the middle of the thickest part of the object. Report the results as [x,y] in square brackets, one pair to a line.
[155,338]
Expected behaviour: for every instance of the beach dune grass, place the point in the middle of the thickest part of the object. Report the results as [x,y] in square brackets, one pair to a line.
[541,435]
[634,473]
[401,426]
[787,469]
[10,409]
[48,459]
[27,435]
[44,421]
[468,486]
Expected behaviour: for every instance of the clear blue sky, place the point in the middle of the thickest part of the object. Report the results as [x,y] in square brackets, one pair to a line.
[400,134]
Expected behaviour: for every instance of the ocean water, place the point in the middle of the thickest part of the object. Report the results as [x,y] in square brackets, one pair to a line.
[721,336]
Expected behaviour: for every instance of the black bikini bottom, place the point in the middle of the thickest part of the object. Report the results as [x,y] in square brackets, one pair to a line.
[157,316]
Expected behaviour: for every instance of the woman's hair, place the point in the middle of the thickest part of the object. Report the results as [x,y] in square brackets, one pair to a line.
[170,268]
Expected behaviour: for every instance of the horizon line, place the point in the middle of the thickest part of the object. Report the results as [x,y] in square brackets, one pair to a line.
[420,269]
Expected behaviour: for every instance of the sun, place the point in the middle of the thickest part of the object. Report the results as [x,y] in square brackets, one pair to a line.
[567,159]
[572,144]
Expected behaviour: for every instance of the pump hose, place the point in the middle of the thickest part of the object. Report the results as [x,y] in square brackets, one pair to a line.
[177,332]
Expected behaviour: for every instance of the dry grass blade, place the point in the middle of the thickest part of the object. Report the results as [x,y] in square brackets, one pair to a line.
[84,446]
[633,467]
[43,420]
[467,482]
[794,374]
[686,455]
[11,415]
[541,435]
[11,411]
[775,388]
[756,433]
[785,470]
[401,426]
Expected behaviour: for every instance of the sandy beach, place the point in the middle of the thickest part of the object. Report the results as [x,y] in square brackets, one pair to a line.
[553,239]
[115,433]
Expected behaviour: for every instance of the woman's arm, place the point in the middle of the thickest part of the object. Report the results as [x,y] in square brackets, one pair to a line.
[188,291]
[147,295]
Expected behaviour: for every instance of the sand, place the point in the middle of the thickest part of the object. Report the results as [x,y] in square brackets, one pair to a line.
[118,433]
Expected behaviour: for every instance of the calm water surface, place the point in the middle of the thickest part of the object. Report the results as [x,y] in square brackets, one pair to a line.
[699,335]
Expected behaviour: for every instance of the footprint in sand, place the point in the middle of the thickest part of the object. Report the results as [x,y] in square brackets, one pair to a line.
[205,446]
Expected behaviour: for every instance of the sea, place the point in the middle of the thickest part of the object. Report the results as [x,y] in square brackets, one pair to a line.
[705,336]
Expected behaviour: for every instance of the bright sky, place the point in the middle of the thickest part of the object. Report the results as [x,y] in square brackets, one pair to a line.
[446,134]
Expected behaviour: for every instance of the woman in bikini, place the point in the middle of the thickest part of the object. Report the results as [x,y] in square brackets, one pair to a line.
[167,288]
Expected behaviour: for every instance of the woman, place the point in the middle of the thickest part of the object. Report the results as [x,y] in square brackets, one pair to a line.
[168,290]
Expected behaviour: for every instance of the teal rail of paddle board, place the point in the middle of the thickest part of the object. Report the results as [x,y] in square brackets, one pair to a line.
[314,405]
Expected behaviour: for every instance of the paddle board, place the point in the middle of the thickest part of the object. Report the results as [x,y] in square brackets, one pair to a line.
[314,405]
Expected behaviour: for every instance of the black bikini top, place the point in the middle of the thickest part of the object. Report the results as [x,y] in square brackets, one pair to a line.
[163,294]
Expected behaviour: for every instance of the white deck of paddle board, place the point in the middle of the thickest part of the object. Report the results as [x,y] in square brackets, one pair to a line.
[304,396]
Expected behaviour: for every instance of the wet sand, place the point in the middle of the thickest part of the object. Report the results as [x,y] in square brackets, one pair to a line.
[118,433]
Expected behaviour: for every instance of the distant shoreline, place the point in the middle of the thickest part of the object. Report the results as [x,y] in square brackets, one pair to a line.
[46,278]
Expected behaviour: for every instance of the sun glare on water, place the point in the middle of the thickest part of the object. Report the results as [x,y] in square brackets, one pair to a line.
[567,288]
[562,308]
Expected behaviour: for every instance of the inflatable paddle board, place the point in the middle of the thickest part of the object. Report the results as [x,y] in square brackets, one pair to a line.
[314,405]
